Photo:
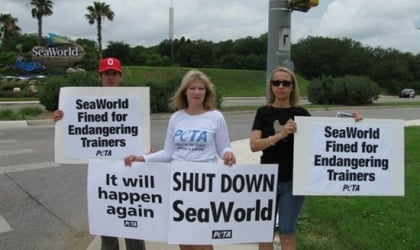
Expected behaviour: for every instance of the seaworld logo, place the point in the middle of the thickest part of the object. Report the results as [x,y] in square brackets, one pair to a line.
[57,46]
[41,51]
[60,51]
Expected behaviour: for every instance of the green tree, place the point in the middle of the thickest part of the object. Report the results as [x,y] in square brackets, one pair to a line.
[250,45]
[195,54]
[41,8]
[26,42]
[120,50]
[392,70]
[138,55]
[317,56]
[98,12]
[166,48]
[90,60]
[8,30]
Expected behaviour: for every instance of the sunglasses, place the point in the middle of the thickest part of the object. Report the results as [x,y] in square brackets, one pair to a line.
[277,83]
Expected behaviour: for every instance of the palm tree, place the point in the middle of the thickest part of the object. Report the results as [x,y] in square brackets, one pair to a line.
[97,12]
[8,29]
[41,8]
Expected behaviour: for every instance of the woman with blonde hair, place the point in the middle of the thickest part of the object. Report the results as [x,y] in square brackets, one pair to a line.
[273,133]
[194,105]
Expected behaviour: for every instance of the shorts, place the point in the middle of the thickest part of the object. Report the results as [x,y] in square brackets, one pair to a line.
[289,207]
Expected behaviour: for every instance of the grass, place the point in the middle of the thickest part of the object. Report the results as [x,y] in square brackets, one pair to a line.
[12,99]
[230,82]
[347,223]
[21,114]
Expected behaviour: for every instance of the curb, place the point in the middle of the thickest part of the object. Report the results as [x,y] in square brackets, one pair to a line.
[48,122]
[13,124]
[25,123]
[40,122]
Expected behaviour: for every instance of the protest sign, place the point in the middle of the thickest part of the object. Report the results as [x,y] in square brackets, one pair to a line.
[128,202]
[182,202]
[338,156]
[102,122]
[217,204]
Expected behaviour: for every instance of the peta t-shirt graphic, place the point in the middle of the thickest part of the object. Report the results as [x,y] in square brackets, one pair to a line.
[197,138]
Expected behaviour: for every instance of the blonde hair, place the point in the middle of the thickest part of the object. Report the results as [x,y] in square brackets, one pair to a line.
[294,95]
[179,100]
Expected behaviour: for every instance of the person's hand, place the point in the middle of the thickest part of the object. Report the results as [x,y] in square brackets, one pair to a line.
[229,158]
[356,116]
[58,115]
[129,160]
[289,128]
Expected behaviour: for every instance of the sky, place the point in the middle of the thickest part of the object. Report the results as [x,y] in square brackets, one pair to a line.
[375,23]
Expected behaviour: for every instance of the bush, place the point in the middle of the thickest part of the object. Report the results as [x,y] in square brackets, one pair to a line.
[30,111]
[7,87]
[348,90]
[160,92]
[8,114]
[51,90]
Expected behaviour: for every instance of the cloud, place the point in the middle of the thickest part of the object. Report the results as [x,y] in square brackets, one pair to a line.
[146,22]
[373,22]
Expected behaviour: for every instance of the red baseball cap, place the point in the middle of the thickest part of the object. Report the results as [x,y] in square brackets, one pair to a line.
[109,63]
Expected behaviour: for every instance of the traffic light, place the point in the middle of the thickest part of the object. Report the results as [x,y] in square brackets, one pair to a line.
[303,5]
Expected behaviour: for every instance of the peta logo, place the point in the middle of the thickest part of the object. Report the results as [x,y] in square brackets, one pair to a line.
[191,135]
[103,152]
[130,223]
[221,234]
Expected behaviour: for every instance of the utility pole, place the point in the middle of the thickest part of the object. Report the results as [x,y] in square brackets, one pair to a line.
[279,33]
[278,41]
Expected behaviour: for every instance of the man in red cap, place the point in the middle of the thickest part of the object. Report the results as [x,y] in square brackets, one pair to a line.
[110,74]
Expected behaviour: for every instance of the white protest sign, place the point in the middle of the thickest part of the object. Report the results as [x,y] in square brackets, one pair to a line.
[182,203]
[217,204]
[128,202]
[102,122]
[338,156]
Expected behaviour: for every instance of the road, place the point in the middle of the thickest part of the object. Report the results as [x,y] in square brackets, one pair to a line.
[238,101]
[227,102]
[43,205]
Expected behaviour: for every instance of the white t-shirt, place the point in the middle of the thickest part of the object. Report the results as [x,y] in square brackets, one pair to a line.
[197,138]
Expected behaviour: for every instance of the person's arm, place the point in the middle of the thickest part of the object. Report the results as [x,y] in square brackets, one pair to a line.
[353,114]
[223,147]
[129,159]
[357,116]
[257,143]
[164,155]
